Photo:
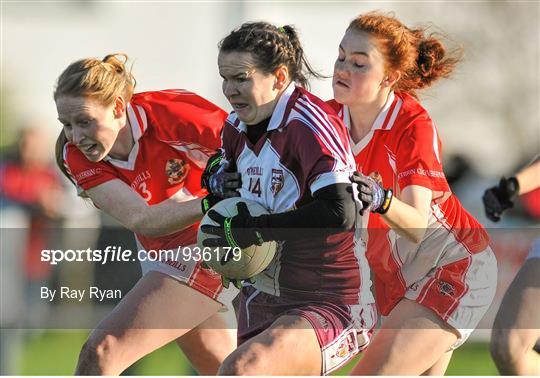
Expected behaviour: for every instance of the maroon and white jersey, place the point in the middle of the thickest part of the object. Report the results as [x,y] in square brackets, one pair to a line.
[174,131]
[305,148]
[403,148]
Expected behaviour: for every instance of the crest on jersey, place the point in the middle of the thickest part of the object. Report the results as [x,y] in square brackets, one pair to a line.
[277,181]
[346,347]
[446,289]
[176,170]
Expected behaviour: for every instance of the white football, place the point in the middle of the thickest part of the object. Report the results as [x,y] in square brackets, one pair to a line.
[236,263]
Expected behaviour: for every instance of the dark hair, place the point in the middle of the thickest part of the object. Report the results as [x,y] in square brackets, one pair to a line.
[102,79]
[271,47]
[421,59]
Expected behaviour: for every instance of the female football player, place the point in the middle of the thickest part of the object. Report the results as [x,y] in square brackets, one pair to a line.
[435,274]
[516,330]
[140,158]
[305,313]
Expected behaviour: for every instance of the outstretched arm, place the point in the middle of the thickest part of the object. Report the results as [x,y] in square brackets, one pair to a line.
[332,210]
[499,198]
[408,215]
[118,200]
[529,178]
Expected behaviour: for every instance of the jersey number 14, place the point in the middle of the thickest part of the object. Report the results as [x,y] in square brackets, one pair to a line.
[255,186]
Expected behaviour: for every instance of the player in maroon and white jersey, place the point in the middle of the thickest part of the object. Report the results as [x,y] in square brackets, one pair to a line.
[435,274]
[140,159]
[305,313]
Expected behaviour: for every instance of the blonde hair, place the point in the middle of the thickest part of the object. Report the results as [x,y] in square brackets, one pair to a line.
[103,80]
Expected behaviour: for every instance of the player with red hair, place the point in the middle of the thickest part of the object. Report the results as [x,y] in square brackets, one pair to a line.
[435,274]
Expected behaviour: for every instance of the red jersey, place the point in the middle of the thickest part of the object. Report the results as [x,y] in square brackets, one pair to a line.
[175,131]
[305,148]
[403,148]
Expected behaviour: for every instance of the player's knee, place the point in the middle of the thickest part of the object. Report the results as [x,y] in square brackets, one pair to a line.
[506,346]
[95,353]
[205,359]
[247,362]
[207,349]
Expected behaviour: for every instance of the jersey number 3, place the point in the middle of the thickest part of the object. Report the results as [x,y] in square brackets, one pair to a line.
[145,192]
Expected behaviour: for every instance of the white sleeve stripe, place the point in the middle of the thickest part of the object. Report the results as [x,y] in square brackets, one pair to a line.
[322,116]
[325,128]
[316,131]
[435,143]
[325,122]
[394,115]
[317,128]
[329,178]
[134,122]
[344,145]
[340,165]
[142,115]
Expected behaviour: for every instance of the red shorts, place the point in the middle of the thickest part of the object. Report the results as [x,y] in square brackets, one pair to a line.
[342,330]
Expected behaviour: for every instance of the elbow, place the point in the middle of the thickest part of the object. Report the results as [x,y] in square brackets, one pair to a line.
[416,234]
[348,219]
[139,225]
[151,232]
[136,225]
[345,219]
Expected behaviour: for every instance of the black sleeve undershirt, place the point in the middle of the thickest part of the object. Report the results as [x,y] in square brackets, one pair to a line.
[332,210]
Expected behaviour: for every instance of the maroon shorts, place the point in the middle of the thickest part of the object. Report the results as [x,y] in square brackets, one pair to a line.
[342,330]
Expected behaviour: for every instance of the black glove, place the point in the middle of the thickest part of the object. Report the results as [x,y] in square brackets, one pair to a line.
[208,202]
[236,232]
[237,283]
[212,165]
[217,180]
[500,198]
[373,196]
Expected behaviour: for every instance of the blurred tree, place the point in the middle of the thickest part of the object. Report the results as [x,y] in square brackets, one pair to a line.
[8,132]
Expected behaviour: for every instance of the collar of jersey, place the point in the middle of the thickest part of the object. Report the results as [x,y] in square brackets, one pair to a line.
[138,122]
[379,121]
[280,111]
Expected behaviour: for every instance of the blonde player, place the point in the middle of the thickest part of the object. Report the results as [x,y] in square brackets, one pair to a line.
[140,159]
[435,274]
[516,330]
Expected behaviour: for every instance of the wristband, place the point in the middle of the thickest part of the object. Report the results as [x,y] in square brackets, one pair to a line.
[388,195]
[514,188]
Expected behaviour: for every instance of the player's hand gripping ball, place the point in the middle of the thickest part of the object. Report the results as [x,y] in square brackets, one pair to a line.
[237,250]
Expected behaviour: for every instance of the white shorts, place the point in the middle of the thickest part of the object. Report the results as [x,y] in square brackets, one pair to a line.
[534,253]
[190,272]
[460,299]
